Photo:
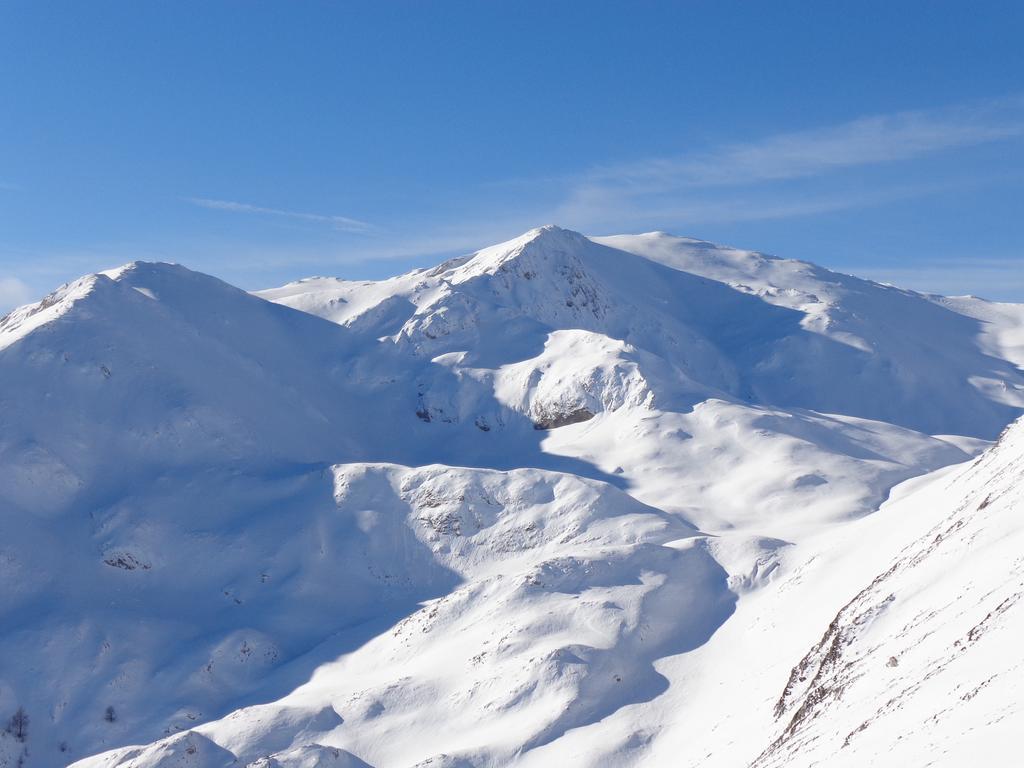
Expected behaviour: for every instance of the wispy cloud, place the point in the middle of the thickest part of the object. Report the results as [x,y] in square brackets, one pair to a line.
[668,212]
[343,223]
[867,140]
[691,179]
[783,176]
[732,182]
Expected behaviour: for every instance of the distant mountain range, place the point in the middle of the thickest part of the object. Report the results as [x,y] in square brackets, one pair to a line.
[634,500]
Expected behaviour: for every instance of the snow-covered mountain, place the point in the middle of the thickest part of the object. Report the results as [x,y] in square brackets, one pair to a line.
[623,500]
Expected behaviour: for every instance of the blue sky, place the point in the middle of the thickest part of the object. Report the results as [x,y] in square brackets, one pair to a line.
[266,141]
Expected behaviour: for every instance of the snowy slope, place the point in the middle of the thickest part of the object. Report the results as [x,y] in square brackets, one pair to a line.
[924,662]
[529,506]
[901,631]
[889,641]
[159,366]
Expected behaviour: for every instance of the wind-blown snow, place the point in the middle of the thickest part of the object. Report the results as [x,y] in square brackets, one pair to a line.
[563,500]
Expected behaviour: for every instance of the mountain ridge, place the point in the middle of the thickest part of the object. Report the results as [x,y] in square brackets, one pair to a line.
[497,506]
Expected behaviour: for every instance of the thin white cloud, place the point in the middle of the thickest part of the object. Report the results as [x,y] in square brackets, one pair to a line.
[669,211]
[13,293]
[343,223]
[729,183]
[864,141]
[690,180]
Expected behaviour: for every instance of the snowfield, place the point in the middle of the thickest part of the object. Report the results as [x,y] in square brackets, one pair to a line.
[633,500]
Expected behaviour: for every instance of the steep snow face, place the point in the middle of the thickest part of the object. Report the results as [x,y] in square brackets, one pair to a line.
[924,661]
[579,374]
[530,507]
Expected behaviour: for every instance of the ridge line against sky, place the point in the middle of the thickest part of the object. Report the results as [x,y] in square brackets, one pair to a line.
[298,139]
[662,188]
[638,189]
[641,193]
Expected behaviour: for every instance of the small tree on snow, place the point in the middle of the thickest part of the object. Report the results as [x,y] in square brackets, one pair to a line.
[110,715]
[19,724]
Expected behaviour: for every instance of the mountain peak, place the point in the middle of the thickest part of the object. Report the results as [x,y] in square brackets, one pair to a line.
[546,236]
[540,242]
[548,230]
[552,234]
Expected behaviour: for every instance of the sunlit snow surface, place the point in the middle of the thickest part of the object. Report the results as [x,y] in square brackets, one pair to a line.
[563,501]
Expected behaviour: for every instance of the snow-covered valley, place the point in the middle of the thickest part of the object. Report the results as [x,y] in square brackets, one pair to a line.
[631,500]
